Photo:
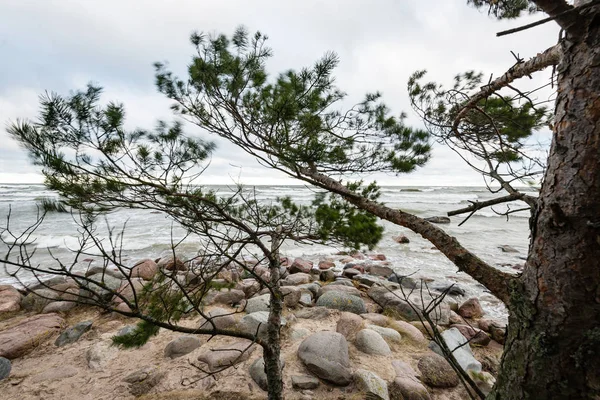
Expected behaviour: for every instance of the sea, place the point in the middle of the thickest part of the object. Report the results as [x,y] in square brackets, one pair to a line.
[147,234]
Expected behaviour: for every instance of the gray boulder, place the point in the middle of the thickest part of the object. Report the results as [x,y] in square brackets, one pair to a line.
[182,346]
[388,334]
[349,324]
[37,300]
[371,342]
[221,318]
[258,303]
[436,372]
[58,306]
[296,279]
[291,296]
[72,334]
[228,355]
[5,367]
[371,385]
[339,288]
[343,302]
[258,374]
[402,305]
[304,382]
[257,322]
[325,354]
[462,351]
[98,293]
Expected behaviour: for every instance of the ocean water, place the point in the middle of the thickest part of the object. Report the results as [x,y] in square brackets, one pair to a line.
[149,235]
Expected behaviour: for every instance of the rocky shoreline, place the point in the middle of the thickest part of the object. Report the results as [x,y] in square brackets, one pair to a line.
[352,329]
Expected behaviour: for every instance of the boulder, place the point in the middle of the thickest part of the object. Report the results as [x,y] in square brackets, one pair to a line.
[257,321]
[99,354]
[349,325]
[475,336]
[376,319]
[258,303]
[296,279]
[406,386]
[58,306]
[436,372]
[377,257]
[452,289]
[306,298]
[315,313]
[72,334]
[350,273]
[407,306]
[487,324]
[371,342]
[498,334]
[97,293]
[508,249]
[143,380]
[298,333]
[291,296]
[327,275]
[462,351]
[228,355]
[249,286]
[144,269]
[300,265]
[372,280]
[312,287]
[388,334]
[126,330]
[324,264]
[129,289]
[304,382]
[484,381]
[24,337]
[371,385]
[5,367]
[342,281]
[10,299]
[182,346]
[104,270]
[171,264]
[404,281]
[438,220]
[325,354]
[221,318]
[471,309]
[401,239]
[258,374]
[408,331]
[342,301]
[339,288]
[229,297]
[38,299]
[379,270]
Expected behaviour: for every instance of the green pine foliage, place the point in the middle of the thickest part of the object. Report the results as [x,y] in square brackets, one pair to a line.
[505,9]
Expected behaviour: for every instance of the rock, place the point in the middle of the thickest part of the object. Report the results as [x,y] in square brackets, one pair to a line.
[436,372]
[300,265]
[400,304]
[377,257]
[342,281]
[97,293]
[10,299]
[401,239]
[324,264]
[487,324]
[438,220]
[372,280]
[221,318]
[371,342]
[508,249]
[456,319]
[24,337]
[462,351]
[360,267]
[258,374]
[129,289]
[342,301]
[406,386]
[312,287]
[371,385]
[5,367]
[315,313]
[306,298]
[388,334]
[452,289]
[258,303]
[325,354]
[408,331]
[484,381]
[126,330]
[379,270]
[291,296]
[257,321]
[404,281]
[122,307]
[143,380]
[145,269]
[296,279]
[376,319]
[327,275]
[304,382]
[349,324]
[298,333]
[249,286]
[37,300]
[182,346]
[58,306]
[339,288]
[171,264]
[99,354]
[471,309]
[498,334]
[72,334]
[350,273]
[229,297]
[227,355]
[475,336]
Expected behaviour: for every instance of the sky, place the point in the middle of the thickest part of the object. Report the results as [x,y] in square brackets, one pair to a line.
[61,45]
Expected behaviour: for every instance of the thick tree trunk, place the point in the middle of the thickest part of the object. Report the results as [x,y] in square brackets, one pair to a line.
[553,346]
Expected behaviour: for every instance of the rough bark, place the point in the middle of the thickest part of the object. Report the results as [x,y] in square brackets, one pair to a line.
[553,345]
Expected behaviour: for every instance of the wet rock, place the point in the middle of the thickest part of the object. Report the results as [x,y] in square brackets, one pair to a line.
[304,382]
[438,220]
[456,319]
[371,385]
[462,351]
[471,309]
[388,334]
[227,355]
[10,299]
[258,374]
[342,301]
[325,354]
[5,368]
[300,265]
[296,279]
[145,269]
[126,330]
[371,342]
[349,325]
[401,239]
[498,334]
[24,337]
[182,346]
[508,249]
[143,380]
[436,372]
[72,334]
[339,288]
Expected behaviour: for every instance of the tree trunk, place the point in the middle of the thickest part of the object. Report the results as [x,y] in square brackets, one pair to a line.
[552,349]
[272,349]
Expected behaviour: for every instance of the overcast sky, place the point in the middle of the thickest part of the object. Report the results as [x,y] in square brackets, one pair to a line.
[60,45]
